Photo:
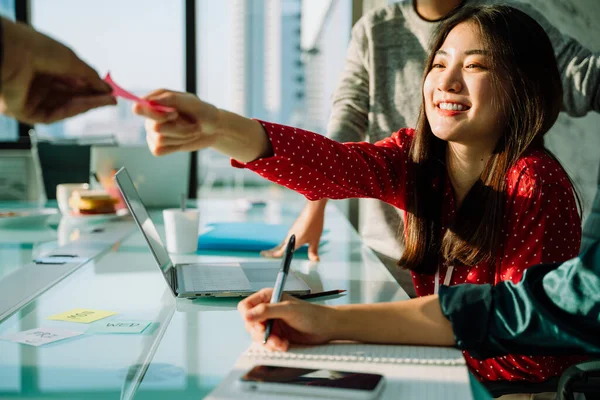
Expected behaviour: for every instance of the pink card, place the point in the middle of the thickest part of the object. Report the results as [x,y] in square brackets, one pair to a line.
[120,92]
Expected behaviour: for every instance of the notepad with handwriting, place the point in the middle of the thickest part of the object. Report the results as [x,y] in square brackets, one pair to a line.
[367,353]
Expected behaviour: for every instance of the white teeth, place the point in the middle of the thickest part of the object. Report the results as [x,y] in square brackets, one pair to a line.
[452,106]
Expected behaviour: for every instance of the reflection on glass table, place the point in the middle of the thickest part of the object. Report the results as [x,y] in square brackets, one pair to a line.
[88,366]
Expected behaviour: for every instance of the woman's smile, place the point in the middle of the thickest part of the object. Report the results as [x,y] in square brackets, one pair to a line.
[450,108]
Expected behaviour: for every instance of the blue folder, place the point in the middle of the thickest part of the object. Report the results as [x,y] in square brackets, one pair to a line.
[243,236]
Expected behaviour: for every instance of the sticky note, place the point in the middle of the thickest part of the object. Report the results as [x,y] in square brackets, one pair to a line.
[119,326]
[82,315]
[120,92]
[40,336]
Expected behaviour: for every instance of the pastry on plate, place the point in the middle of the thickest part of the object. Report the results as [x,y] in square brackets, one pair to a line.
[89,202]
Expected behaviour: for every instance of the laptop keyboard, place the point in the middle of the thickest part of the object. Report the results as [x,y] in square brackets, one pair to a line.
[206,278]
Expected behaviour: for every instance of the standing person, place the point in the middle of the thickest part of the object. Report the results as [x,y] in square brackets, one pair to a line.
[379,92]
[482,196]
[42,80]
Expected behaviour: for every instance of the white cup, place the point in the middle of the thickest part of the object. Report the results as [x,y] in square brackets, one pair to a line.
[181,228]
[63,194]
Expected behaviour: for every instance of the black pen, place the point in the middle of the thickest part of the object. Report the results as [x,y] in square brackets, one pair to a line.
[280,282]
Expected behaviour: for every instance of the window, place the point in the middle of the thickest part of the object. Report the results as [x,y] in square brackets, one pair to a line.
[141,43]
[251,61]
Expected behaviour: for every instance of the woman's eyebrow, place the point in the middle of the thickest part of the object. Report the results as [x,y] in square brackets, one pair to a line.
[441,52]
[476,51]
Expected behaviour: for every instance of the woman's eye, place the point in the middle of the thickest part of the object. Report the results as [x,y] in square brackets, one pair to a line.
[437,66]
[475,66]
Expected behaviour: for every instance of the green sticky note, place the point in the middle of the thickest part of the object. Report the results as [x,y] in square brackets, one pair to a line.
[119,326]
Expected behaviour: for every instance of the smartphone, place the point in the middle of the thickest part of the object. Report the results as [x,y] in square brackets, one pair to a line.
[313,382]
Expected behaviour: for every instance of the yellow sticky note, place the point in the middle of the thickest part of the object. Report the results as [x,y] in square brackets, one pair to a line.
[82,315]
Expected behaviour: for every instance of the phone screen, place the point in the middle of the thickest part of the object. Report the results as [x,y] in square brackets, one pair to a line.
[313,377]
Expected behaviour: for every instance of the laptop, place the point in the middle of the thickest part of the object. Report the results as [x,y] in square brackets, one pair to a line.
[231,279]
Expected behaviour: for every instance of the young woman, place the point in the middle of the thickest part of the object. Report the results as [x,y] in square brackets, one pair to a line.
[483,198]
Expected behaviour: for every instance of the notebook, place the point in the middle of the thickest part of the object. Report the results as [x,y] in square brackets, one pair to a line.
[364,353]
[243,236]
[411,372]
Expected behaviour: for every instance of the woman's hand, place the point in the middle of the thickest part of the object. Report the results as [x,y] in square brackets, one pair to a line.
[195,125]
[308,228]
[192,126]
[296,321]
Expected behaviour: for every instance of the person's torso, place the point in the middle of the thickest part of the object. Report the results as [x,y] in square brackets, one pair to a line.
[489,272]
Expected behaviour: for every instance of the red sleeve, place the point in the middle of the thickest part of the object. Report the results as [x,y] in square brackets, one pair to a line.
[542,225]
[318,167]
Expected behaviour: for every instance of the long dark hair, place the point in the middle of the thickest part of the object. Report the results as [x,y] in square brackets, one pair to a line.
[526,78]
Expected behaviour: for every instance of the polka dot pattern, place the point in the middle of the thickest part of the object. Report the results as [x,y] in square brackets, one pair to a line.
[541,223]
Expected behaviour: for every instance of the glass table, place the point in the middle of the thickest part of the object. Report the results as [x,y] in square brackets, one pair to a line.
[191,345]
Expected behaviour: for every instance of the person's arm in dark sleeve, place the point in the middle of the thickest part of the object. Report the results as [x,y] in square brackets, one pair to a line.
[521,319]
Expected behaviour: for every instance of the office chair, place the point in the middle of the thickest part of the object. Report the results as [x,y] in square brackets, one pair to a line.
[580,378]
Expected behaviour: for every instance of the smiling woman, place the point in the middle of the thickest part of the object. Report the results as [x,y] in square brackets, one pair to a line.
[483,198]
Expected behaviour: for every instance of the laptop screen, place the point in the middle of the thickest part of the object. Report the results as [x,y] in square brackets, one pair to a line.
[141,217]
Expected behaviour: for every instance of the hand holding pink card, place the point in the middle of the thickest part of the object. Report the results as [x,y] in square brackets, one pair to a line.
[120,92]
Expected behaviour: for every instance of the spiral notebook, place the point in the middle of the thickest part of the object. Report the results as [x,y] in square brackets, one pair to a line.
[364,353]
[412,372]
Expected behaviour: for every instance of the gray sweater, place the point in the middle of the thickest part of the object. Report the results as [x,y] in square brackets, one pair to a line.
[380,92]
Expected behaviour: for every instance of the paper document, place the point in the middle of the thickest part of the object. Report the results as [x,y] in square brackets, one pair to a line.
[40,336]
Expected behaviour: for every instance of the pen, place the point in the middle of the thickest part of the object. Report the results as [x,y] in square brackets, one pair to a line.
[319,294]
[280,282]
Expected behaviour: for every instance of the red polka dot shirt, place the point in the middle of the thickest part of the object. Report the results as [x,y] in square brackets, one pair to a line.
[542,224]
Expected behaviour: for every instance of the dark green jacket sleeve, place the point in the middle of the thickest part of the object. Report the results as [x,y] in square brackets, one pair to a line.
[522,319]
[553,310]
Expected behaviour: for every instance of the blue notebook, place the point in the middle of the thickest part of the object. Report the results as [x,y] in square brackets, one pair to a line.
[243,236]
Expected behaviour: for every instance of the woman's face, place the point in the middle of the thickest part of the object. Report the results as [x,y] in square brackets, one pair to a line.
[459,99]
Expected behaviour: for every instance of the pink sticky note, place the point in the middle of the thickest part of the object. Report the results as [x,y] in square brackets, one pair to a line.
[120,92]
